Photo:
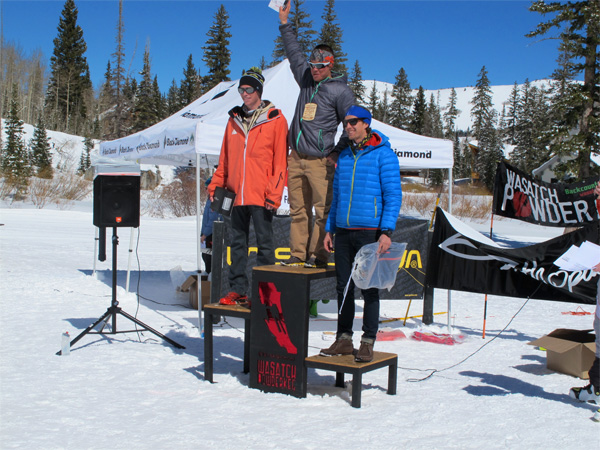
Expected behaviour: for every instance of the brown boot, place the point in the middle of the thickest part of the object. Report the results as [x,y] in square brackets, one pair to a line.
[341,346]
[365,352]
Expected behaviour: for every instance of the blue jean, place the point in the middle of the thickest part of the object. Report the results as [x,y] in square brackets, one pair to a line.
[262,219]
[347,243]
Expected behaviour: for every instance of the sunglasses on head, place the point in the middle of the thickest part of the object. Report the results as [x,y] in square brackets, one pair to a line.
[352,122]
[318,65]
[248,90]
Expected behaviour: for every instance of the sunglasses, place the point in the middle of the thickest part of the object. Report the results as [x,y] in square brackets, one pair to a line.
[318,65]
[248,90]
[352,122]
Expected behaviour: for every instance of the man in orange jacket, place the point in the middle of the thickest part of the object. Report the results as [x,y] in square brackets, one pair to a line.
[252,164]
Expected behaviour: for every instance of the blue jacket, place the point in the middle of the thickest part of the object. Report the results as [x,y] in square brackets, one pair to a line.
[366,189]
[208,217]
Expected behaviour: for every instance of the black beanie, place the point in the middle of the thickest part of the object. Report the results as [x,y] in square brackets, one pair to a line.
[253,78]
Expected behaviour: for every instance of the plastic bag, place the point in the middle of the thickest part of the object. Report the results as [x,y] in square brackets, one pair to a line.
[178,277]
[373,270]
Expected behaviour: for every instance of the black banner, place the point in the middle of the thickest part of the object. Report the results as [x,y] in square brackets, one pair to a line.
[518,196]
[462,259]
[410,280]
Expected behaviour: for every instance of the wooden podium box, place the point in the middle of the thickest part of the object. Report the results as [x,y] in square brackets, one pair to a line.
[279,331]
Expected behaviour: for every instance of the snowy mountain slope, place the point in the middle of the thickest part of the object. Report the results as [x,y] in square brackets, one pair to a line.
[464,95]
[66,150]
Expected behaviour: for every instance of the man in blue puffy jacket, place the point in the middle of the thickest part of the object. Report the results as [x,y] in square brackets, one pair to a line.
[366,202]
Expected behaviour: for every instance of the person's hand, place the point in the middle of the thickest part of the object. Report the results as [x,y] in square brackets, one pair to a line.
[384,243]
[284,13]
[328,242]
[211,197]
[269,206]
[597,189]
[332,158]
[202,238]
[596,268]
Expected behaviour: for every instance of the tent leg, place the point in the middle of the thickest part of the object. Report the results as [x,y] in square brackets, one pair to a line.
[131,237]
[199,247]
[96,239]
[450,183]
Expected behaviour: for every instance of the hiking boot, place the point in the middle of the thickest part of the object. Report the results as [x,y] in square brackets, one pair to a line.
[293,261]
[233,298]
[365,352]
[341,346]
[585,394]
[315,263]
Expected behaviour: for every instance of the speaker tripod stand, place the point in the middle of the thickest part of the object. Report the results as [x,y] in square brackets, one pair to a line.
[114,309]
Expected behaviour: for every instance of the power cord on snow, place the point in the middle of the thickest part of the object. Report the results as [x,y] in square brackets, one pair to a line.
[433,371]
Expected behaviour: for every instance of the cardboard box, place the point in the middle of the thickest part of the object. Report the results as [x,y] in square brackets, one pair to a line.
[190,285]
[569,351]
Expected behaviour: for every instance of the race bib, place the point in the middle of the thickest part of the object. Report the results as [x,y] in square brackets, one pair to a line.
[310,111]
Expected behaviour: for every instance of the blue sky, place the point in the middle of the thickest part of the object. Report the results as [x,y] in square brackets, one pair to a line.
[440,44]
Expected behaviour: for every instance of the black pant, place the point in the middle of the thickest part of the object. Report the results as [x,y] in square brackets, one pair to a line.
[262,219]
[347,245]
[207,257]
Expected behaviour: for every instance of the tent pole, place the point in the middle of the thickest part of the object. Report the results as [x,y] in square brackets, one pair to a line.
[485,302]
[199,247]
[96,239]
[131,237]
[450,182]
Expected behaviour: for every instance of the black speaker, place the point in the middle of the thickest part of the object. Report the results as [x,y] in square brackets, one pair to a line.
[117,201]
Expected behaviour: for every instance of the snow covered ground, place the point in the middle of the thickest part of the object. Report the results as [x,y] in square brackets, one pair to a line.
[135,391]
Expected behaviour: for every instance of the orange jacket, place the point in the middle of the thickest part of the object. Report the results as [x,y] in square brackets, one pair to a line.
[253,164]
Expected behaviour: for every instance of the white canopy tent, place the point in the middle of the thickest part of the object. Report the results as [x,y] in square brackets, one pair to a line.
[198,129]
[196,132]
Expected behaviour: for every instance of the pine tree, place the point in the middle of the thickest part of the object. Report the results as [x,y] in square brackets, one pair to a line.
[85,161]
[459,170]
[331,34]
[417,121]
[490,151]
[402,101]
[484,127]
[144,110]
[106,100]
[579,25]
[263,63]
[451,115]
[16,167]
[174,102]
[40,150]
[69,78]
[117,115]
[355,83]
[532,129]
[302,26]
[434,126]
[159,100]
[482,109]
[565,109]
[436,176]
[384,108]
[512,118]
[190,86]
[373,100]
[217,55]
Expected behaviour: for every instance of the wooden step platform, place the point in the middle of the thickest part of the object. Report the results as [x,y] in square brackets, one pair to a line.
[346,364]
[215,309]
